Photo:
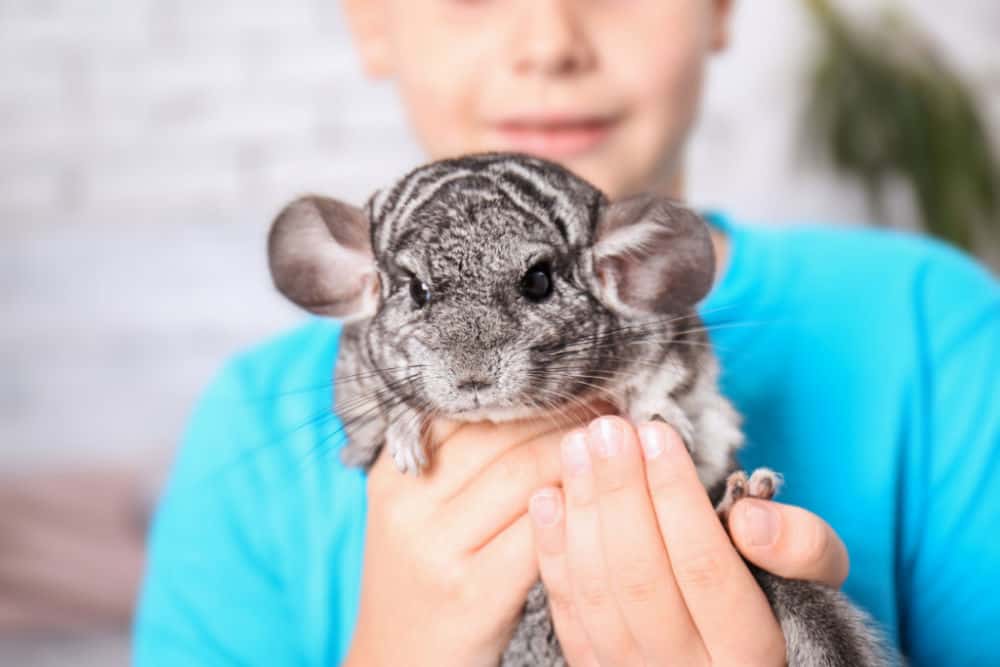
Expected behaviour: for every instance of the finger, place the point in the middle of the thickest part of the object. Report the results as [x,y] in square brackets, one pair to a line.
[637,560]
[499,494]
[460,450]
[509,557]
[457,452]
[712,578]
[593,591]
[788,541]
[547,512]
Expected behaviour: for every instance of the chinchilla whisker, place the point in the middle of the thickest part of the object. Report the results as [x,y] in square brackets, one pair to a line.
[708,328]
[659,325]
[551,410]
[656,323]
[326,386]
[558,418]
[367,416]
[602,351]
[585,346]
[375,396]
[569,368]
[579,377]
[569,374]
[604,391]
[629,361]
[584,356]
[624,333]
[375,372]
[570,399]
[612,341]
[316,420]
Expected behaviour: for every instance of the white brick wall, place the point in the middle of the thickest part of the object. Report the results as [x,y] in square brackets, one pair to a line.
[144,147]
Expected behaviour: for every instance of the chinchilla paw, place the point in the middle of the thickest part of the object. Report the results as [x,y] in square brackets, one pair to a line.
[409,457]
[763,483]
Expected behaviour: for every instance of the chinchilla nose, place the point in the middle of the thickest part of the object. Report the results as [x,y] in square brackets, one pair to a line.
[475,382]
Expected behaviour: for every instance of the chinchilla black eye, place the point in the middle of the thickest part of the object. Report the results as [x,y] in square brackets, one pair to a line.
[419,292]
[536,285]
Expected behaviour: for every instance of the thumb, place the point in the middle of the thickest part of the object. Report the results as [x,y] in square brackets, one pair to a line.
[788,541]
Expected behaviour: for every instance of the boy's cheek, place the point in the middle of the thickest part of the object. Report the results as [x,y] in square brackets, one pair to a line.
[445,130]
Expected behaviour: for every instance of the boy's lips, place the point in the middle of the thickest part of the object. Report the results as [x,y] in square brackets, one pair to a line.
[553,136]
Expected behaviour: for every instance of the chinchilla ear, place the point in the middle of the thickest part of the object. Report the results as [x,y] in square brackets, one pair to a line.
[652,255]
[321,258]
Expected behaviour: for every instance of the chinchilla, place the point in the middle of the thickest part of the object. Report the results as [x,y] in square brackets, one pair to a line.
[498,286]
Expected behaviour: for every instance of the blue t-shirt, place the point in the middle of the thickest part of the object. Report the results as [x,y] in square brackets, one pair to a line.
[866,365]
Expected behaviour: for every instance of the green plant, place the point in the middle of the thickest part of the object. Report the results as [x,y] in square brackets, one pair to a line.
[884,106]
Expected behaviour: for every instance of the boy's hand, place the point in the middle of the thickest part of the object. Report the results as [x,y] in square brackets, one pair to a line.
[639,570]
[449,556]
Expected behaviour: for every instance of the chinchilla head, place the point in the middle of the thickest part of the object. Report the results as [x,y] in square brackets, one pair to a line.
[505,281]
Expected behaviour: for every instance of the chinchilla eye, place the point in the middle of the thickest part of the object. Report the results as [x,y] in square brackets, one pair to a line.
[419,292]
[536,285]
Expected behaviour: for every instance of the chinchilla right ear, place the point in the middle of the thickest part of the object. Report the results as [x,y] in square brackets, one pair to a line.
[652,255]
[321,258]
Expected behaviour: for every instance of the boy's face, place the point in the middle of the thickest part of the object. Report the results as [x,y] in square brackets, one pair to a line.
[609,88]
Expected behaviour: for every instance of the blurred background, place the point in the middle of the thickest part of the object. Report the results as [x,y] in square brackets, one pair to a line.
[145,146]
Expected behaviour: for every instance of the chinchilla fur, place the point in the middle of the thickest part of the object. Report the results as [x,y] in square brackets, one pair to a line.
[498,286]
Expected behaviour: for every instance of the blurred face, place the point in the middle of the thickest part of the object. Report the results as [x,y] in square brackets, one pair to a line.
[609,88]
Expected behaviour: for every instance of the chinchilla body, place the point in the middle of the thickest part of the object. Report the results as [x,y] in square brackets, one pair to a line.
[497,286]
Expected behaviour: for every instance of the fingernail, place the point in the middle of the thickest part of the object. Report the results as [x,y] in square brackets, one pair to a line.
[653,440]
[574,451]
[606,435]
[760,523]
[543,507]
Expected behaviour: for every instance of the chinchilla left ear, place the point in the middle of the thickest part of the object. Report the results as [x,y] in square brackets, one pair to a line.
[652,255]
[320,256]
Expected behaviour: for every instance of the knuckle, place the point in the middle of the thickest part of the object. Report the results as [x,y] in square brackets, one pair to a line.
[662,481]
[702,569]
[593,591]
[611,484]
[581,497]
[561,602]
[550,542]
[639,585]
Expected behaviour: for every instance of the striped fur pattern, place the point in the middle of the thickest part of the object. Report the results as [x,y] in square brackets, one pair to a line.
[620,324]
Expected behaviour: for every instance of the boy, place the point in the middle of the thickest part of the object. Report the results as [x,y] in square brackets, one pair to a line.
[864,364]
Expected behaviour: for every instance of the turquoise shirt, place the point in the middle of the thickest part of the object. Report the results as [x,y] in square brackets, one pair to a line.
[866,364]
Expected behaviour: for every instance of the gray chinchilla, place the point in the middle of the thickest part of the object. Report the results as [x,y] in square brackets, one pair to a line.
[497,286]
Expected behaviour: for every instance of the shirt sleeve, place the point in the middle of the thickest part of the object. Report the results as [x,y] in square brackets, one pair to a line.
[951,551]
[214,592]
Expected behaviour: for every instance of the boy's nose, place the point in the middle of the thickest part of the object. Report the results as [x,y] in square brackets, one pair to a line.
[549,38]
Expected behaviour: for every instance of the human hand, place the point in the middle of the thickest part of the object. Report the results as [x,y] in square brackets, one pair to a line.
[639,570]
[449,556]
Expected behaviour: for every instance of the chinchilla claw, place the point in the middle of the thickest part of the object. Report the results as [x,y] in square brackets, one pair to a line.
[399,460]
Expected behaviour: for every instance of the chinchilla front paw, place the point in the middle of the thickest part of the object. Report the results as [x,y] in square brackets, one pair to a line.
[763,483]
[407,448]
